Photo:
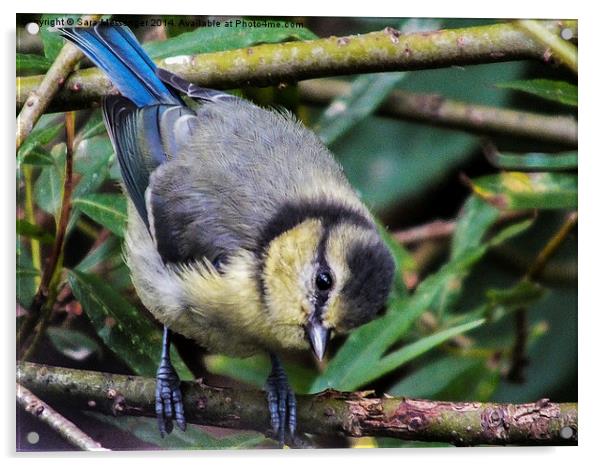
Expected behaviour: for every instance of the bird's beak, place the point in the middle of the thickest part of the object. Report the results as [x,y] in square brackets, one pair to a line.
[318,337]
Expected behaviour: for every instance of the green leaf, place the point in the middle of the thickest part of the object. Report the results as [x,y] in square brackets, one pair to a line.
[409,352]
[367,92]
[523,293]
[533,161]
[53,43]
[194,438]
[217,39]
[557,91]
[28,64]
[48,188]
[26,273]
[126,331]
[72,343]
[24,228]
[95,126]
[432,378]
[109,210]
[255,370]
[108,250]
[92,159]
[475,219]
[518,190]
[37,156]
[37,138]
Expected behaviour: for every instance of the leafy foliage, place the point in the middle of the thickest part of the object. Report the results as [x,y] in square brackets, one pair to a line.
[446,332]
[557,91]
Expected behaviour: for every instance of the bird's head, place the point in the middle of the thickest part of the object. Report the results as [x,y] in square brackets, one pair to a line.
[321,278]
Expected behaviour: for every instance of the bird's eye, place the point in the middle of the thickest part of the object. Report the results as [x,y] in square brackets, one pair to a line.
[323,281]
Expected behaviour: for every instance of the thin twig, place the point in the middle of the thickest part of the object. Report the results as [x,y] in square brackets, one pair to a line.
[36,310]
[327,413]
[559,48]
[269,64]
[551,247]
[519,358]
[440,229]
[437,110]
[64,427]
[39,97]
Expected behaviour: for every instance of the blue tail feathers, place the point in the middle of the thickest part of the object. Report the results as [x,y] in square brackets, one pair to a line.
[117,52]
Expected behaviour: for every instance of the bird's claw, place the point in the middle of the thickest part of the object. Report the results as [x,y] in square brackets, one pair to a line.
[169,405]
[282,404]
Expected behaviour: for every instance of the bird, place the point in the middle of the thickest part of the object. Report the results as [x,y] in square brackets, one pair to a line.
[243,231]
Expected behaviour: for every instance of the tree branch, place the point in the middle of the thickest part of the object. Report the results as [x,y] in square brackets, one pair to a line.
[327,413]
[64,427]
[437,110]
[268,64]
[38,98]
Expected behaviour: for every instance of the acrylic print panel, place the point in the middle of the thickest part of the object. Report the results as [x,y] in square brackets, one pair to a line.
[306,232]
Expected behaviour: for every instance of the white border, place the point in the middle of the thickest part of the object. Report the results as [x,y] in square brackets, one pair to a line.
[589,232]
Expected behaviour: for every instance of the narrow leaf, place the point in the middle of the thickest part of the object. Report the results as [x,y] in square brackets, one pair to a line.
[37,156]
[38,137]
[28,64]
[48,188]
[532,161]
[367,93]
[108,250]
[24,228]
[557,91]
[194,438]
[72,343]
[434,377]
[217,39]
[407,353]
[109,210]
[53,43]
[518,190]
[127,332]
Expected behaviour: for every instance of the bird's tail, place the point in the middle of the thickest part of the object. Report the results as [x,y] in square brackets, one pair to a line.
[117,52]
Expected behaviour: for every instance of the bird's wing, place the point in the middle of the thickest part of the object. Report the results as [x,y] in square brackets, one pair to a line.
[143,139]
[193,91]
[187,217]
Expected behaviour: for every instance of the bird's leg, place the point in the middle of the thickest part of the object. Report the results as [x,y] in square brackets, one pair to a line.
[281,402]
[168,397]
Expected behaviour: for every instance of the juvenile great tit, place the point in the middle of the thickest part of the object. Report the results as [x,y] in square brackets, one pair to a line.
[243,232]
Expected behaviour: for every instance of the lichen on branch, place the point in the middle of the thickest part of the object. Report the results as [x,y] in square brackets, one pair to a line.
[268,64]
[328,413]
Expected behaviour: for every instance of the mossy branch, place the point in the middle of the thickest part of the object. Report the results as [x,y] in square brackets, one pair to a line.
[37,99]
[268,64]
[327,413]
[437,110]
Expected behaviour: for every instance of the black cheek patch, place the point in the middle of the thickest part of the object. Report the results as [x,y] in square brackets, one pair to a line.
[371,274]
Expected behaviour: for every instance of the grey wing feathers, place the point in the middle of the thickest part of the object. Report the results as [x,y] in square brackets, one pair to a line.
[143,139]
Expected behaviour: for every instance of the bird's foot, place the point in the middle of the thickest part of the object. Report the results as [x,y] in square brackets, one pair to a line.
[168,399]
[281,403]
